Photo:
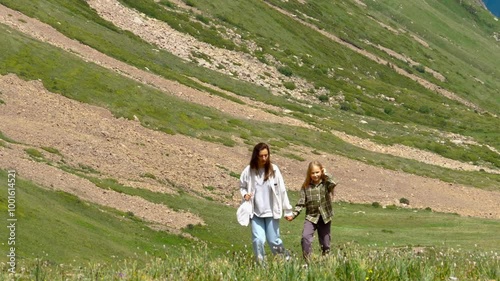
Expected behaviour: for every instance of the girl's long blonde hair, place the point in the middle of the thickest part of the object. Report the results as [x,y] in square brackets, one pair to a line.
[307,181]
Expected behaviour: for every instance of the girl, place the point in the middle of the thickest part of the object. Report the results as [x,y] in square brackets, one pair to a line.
[316,197]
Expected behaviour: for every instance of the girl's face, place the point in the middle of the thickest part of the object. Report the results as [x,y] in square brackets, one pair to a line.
[316,174]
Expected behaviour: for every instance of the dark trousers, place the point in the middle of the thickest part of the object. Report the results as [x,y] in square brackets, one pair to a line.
[323,236]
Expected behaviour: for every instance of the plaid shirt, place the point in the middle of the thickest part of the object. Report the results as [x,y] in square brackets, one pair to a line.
[317,199]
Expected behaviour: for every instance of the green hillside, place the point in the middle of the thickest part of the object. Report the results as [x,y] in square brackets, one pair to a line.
[81,235]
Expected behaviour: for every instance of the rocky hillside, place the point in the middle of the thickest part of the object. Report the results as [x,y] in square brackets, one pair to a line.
[91,138]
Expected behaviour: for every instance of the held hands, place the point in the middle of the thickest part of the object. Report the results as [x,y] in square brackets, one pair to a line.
[289,218]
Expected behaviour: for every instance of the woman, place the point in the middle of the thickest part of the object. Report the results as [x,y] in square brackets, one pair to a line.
[261,182]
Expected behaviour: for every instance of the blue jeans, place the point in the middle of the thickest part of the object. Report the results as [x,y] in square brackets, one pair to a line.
[266,229]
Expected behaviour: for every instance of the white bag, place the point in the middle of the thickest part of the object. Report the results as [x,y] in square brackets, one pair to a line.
[244,212]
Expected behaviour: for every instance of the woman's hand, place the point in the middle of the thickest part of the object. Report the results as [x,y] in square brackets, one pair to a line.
[289,218]
[247,196]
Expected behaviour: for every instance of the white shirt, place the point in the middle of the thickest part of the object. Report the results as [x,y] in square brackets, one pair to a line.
[279,203]
[263,196]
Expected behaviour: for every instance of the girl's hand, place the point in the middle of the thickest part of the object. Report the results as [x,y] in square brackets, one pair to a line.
[247,196]
[289,218]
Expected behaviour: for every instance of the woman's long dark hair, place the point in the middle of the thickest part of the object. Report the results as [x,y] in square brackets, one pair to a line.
[254,162]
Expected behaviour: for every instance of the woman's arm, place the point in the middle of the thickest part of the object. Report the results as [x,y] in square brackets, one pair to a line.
[245,181]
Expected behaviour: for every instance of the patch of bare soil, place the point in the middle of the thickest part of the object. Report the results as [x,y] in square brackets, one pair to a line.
[412,153]
[89,136]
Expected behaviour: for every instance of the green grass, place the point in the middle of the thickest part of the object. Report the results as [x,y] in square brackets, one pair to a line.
[443,25]
[7,139]
[349,262]
[401,227]
[52,150]
[60,228]
[363,224]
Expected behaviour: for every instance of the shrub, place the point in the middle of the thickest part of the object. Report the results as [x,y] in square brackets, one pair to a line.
[285,71]
[420,68]
[148,175]
[203,19]
[323,98]
[289,85]
[388,110]
[35,154]
[424,109]
[345,106]
[51,150]
[404,201]
[376,204]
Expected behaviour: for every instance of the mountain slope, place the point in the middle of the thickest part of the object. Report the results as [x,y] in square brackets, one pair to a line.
[347,97]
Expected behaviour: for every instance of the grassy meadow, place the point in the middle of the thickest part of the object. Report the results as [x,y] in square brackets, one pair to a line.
[78,240]
[61,237]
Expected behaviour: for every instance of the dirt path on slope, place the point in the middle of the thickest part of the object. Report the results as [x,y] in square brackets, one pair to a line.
[89,136]
[413,153]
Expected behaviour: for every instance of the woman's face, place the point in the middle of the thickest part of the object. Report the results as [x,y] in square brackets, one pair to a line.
[263,157]
[316,174]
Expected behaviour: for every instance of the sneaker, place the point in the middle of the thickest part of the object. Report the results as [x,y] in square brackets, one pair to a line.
[288,257]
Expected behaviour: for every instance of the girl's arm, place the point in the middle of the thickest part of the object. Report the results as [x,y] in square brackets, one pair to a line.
[330,182]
